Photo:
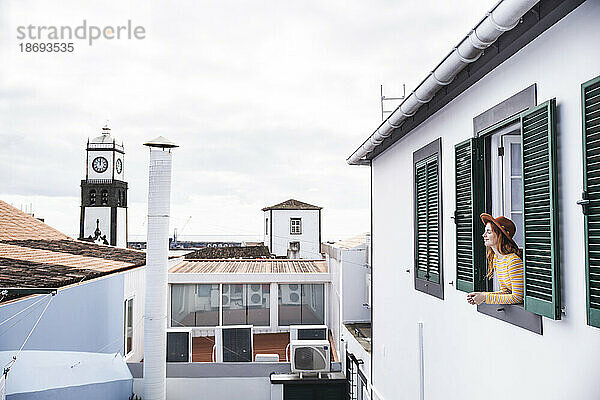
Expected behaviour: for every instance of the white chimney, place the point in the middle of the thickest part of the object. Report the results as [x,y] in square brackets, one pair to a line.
[157,252]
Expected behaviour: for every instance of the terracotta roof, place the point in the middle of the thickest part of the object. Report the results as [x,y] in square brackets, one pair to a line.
[230,252]
[259,266]
[292,204]
[17,225]
[32,254]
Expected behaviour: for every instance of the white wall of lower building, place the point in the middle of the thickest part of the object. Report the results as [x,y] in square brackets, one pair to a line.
[213,388]
[468,355]
[134,288]
[280,237]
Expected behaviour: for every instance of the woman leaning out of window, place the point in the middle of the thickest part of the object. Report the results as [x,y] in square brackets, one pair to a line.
[504,256]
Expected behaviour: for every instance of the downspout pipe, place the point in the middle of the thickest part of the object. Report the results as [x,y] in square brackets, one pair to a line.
[504,16]
[157,254]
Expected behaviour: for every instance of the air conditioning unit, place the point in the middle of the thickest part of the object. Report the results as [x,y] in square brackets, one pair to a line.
[308,332]
[254,294]
[233,344]
[179,345]
[291,294]
[310,356]
[214,296]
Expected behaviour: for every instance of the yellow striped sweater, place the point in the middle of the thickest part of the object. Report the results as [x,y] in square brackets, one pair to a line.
[509,270]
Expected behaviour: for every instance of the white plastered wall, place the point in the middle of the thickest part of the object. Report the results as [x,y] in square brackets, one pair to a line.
[134,288]
[121,227]
[97,213]
[309,238]
[467,354]
[108,174]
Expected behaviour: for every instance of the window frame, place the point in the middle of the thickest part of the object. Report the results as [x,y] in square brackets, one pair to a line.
[432,288]
[299,226]
[125,326]
[302,297]
[492,121]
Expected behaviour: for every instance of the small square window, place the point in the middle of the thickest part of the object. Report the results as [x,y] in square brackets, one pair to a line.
[295,226]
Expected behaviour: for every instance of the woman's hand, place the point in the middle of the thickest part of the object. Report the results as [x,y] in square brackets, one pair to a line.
[475,298]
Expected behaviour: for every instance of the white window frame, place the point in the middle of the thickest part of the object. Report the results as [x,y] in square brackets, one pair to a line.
[295,229]
[507,140]
[125,315]
[500,174]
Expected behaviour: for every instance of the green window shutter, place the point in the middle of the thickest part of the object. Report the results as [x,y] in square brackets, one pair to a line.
[590,102]
[428,274]
[540,211]
[428,254]
[469,196]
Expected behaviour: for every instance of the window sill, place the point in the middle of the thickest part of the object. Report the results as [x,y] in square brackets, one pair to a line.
[514,314]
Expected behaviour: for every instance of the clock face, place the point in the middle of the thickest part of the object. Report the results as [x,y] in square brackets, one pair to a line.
[119,166]
[100,164]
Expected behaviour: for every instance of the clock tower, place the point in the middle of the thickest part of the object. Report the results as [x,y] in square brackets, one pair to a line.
[104,192]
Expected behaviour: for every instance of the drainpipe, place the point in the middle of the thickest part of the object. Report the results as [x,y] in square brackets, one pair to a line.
[503,17]
[157,253]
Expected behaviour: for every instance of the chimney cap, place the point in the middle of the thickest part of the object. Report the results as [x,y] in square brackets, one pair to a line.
[162,142]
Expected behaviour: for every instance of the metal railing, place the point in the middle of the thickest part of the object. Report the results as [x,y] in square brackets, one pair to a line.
[358,387]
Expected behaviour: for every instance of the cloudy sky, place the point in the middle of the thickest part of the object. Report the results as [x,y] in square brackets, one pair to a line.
[266,98]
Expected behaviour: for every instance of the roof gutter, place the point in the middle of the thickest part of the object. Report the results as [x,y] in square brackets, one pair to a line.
[504,16]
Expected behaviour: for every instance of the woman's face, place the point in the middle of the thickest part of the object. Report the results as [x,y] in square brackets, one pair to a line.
[490,238]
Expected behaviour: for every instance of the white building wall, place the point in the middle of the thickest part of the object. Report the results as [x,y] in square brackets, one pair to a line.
[121,227]
[97,213]
[467,354]
[354,271]
[108,174]
[214,388]
[134,287]
[335,298]
[281,237]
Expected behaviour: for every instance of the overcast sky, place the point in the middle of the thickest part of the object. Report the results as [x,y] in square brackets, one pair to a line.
[267,99]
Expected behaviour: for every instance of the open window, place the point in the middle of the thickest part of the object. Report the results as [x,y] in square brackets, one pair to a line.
[509,168]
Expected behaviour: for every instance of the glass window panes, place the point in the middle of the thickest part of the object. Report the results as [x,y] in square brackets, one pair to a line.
[313,310]
[258,304]
[301,304]
[295,225]
[234,305]
[128,326]
[194,305]
[515,159]
[516,194]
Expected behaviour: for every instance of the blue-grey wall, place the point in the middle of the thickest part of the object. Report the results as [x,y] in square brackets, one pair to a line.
[87,317]
[116,390]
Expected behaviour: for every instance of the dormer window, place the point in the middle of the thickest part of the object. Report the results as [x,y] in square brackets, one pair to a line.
[92,197]
[104,197]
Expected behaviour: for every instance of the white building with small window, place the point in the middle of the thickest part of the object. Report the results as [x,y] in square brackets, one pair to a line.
[293,229]
[509,124]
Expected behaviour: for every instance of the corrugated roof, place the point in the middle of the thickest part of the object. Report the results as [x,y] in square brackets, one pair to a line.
[271,266]
[33,254]
[292,204]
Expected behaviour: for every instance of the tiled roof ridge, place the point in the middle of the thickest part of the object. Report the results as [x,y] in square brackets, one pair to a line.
[292,204]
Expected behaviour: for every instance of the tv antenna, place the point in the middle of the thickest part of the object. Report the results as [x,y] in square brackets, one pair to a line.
[385,112]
